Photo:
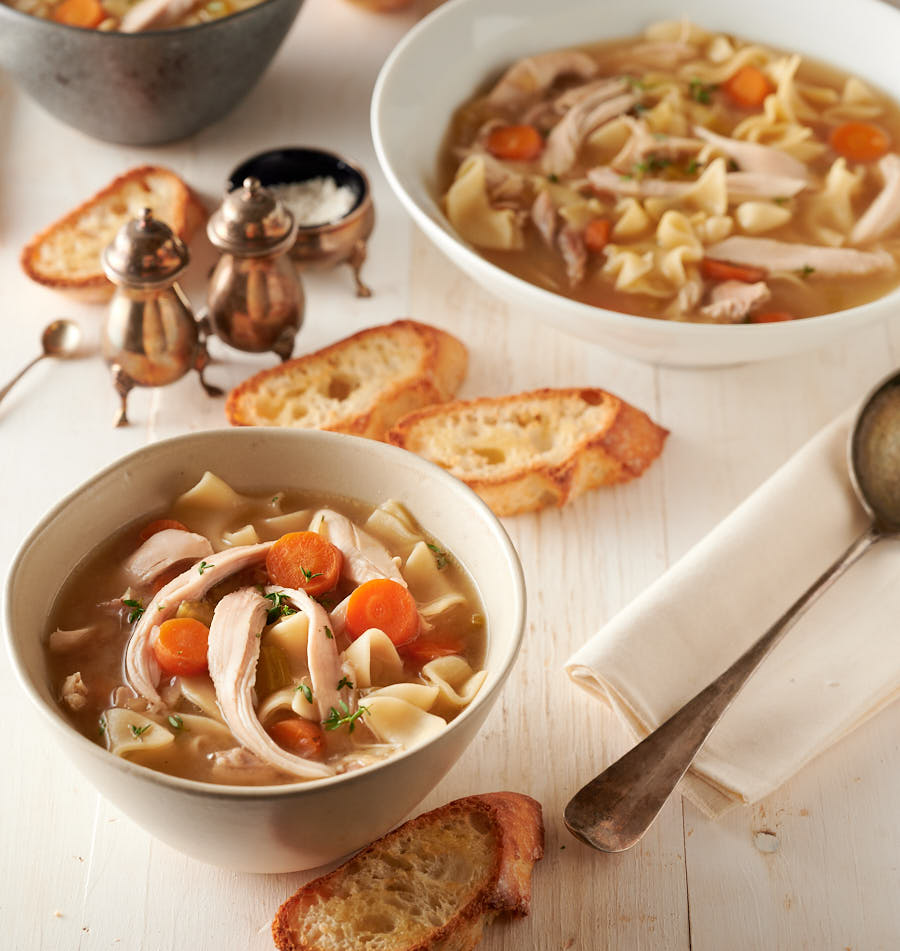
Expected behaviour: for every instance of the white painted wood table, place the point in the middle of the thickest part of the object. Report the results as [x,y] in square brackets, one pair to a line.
[77,874]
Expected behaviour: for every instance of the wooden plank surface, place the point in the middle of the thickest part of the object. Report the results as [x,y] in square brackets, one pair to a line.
[813,866]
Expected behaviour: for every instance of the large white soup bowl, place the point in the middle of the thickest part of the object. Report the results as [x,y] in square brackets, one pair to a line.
[452,53]
[265,828]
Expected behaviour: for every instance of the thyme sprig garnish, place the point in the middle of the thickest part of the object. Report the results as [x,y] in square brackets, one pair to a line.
[137,609]
[345,682]
[440,556]
[175,721]
[702,92]
[203,566]
[306,691]
[280,607]
[309,575]
[138,731]
[336,719]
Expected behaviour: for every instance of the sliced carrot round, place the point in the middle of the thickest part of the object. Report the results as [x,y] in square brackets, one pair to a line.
[181,645]
[860,141]
[84,13]
[748,87]
[160,525]
[306,561]
[716,270]
[384,604]
[516,142]
[421,650]
[300,736]
[771,317]
[596,235]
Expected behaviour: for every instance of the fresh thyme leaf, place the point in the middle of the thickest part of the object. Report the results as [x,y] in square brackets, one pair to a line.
[175,722]
[138,731]
[160,605]
[335,720]
[137,609]
[328,633]
[440,556]
[806,270]
[692,167]
[309,575]
[780,201]
[345,682]
[702,92]
[203,566]
[280,607]
[653,163]
[306,691]
[553,177]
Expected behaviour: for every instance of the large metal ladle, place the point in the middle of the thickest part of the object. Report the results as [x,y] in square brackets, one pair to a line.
[61,338]
[613,811]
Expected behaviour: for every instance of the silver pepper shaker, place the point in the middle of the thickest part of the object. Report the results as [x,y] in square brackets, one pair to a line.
[151,336]
[255,297]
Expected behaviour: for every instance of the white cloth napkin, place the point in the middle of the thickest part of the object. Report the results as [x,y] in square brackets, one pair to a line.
[834,669]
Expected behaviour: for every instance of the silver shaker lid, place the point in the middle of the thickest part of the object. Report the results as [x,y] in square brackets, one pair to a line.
[252,222]
[145,254]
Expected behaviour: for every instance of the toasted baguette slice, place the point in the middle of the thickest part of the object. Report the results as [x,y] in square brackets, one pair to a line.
[430,885]
[522,453]
[66,255]
[361,385]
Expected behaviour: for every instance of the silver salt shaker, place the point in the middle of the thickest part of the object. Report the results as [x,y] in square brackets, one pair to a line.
[151,336]
[255,298]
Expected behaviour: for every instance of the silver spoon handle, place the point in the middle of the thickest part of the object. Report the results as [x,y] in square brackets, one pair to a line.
[20,374]
[613,811]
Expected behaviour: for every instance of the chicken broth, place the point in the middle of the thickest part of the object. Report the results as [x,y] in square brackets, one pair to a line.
[682,175]
[316,656]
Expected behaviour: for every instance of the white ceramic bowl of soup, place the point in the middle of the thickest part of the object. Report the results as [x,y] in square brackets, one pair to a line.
[466,44]
[284,827]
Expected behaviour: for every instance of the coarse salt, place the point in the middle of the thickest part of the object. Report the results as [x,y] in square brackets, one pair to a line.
[317,201]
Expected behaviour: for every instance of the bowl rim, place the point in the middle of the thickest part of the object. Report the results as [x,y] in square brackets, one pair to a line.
[134,37]
[464,255]
[493,683]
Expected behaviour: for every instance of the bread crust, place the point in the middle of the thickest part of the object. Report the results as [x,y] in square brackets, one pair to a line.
[438,372]
[516,823]
[619,450]
[187,215]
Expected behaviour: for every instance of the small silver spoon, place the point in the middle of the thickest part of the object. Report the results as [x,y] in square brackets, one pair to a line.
[61,338]
[613,811]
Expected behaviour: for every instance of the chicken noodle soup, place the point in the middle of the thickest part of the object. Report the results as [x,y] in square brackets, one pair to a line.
[254,640]
[683,175]
[131,16]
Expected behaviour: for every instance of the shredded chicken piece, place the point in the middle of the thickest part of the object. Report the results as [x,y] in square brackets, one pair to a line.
[643,142]
[154,14]
[62,641]
[807,259]
[740,185]
[568,135]
[141,668]
[533,75]
[164,549]
[884,212]
[234,637]
[731,301]
[322,656]
[74,693]
[604,88]
[365,557]
[753,157]
[543,214]
[572,247]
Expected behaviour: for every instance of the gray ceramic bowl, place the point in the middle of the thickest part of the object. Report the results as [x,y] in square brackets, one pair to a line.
[142,88]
